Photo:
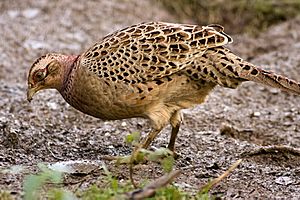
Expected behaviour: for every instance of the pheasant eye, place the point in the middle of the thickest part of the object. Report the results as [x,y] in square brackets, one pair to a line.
[39,75]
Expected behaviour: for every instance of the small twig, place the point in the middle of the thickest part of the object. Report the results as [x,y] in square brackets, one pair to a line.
[150,189]
[273,150]
[214,182]
[53,155]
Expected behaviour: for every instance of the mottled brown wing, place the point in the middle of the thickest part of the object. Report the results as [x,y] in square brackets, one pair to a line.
[149,51]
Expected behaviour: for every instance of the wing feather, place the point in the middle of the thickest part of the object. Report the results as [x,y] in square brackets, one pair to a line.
[152,50]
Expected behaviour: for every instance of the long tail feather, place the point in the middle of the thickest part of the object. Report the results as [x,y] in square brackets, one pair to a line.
[269,78]
[235,67]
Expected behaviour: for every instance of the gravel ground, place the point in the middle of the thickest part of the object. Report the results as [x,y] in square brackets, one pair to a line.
[214,135]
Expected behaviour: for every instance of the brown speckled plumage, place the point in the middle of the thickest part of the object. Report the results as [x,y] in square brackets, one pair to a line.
[150,70]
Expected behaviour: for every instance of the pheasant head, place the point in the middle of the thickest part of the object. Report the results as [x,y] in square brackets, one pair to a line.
[49,72]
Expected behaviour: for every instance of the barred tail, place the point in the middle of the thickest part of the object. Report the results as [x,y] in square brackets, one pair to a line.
[235,67]
[221,66]
[253,73]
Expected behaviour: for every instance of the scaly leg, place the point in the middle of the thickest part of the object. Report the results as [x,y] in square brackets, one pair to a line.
[150,137]
[173,137]
[175,123]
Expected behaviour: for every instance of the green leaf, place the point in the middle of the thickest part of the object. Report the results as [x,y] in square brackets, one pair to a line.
[133,137]
[114,184]
[168,163]
[159,153]
[33,183]
[140,157]
[170,192]
[60,194]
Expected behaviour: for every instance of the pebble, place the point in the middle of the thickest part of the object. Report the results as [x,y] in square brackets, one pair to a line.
[183,185]
[13,13]
[52,105]
[3,120]
[31,13]
[35,44]
[284,180]
[274,90]
[256,114]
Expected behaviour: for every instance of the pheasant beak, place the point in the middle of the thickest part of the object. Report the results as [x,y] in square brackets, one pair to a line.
[30,92]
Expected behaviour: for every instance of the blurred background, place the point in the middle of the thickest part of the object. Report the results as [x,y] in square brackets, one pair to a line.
[238,16]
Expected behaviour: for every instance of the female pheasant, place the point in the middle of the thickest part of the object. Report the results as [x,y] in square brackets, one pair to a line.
[150,70]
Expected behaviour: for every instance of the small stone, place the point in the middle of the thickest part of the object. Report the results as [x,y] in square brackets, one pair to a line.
[124,124]
[183,185]
[31,13]
[3,120]
[256,114]
[13,13]
[284,180]
[274,90]
[52,105]
[35,44]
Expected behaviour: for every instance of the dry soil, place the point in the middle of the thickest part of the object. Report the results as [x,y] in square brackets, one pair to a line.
[213,136]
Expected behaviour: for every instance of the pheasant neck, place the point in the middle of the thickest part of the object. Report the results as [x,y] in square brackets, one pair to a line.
[67,62]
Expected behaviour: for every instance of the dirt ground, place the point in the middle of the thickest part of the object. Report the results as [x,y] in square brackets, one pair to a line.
[213,136]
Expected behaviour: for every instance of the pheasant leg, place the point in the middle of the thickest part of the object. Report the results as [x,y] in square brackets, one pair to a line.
[150,137]
[173,137]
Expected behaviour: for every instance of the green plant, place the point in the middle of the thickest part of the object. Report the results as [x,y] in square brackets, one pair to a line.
[33,184]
